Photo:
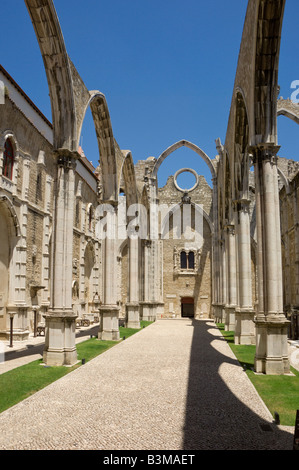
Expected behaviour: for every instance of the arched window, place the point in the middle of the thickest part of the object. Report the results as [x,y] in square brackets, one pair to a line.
[191,263]
[8,159]
[187,260]
[183,260]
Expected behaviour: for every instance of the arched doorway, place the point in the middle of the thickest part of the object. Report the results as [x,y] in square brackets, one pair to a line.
[187,307]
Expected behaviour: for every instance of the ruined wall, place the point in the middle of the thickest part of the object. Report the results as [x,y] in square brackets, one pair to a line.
[289,214]
[192,283]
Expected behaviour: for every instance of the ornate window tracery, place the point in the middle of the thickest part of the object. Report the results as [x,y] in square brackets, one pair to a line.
[186,261]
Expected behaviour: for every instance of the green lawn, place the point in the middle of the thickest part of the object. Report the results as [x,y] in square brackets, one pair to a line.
[280,393]
[20,383]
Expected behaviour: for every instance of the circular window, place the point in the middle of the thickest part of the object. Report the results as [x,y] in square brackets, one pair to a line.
[186,189]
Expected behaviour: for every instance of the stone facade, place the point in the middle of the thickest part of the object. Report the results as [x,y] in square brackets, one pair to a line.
[179,283]
[26,206]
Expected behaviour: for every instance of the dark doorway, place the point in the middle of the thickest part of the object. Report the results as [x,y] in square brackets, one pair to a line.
[187,307]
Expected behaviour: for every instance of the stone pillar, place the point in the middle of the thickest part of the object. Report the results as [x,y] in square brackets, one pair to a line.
[149,304]
[215,254]
[60,345]
[245,329]
[231,280]
[132,307]
[271,323]
[109,311]
[153,265]
[223,280]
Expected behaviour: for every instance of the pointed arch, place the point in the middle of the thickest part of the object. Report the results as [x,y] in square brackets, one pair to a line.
[58,70]
[69,93]
[240,162]
[288,109]
[12,215]
[177,145]
[268,36]
[106,143]
[127,178]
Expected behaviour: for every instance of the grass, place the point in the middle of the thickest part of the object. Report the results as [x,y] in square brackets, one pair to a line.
[280,393]
[24,381]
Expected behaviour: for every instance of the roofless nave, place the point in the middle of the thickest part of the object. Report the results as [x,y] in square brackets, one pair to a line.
[213,253]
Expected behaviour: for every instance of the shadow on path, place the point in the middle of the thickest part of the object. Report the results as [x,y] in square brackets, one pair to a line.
[33,349]
[216,418]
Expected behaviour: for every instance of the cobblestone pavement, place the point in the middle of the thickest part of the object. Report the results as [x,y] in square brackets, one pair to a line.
[173,386]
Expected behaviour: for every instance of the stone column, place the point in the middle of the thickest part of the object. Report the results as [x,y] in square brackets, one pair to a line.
[132,307]
[271,323]
[153,266]
[60,345]
[46,243]
[245,329]
[149,304]
[231,280]
[109,311]
[223,280]
[215,254]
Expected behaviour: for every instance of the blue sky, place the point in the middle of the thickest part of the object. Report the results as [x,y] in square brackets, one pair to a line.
[166,67]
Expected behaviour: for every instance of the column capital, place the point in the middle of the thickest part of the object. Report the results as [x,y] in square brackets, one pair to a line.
[66,158]
[241,204]
[264,151]
[230,228]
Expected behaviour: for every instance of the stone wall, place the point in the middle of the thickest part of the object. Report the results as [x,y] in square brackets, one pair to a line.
[182,283]
[29,198]
[289,213]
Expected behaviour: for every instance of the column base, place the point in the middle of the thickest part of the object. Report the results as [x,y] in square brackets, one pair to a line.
[60,357]
[133,315]
[244,327]
[230,318]
[60,341]
[149,310]
[109,324]
[218,313]
[271,345]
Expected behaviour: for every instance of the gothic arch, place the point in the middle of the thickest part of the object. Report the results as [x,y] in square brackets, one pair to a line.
[8,134]
[257,71]
[58,70]
[69,95]
[177,145]
[268,35]
[288,109]
[240,164]
[127,177]
[106,143]
[15,231]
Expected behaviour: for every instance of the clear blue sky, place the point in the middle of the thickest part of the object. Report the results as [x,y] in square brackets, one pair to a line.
[166,68]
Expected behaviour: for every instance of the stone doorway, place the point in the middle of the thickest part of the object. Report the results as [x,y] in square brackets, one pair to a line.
[187,307]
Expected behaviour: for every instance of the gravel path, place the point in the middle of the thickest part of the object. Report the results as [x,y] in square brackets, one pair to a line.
[173,386]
